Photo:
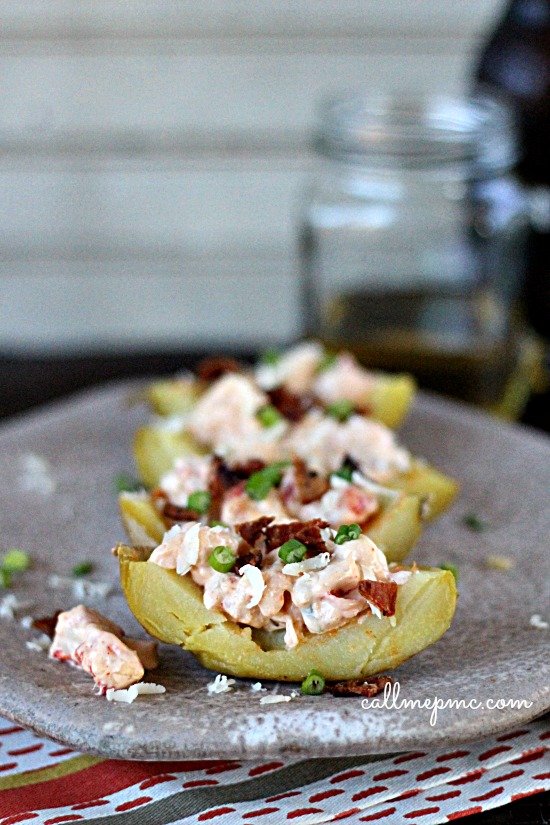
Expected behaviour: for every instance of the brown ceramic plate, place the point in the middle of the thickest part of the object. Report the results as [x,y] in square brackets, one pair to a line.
[492,652]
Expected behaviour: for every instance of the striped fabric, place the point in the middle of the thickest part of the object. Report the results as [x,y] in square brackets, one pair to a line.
[44,784]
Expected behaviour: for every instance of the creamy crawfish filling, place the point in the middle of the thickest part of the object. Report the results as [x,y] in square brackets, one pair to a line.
[225,419]
[298,597]
[344,502]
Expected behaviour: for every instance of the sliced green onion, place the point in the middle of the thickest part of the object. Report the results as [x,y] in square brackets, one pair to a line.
[5,578]
[199,501]
[451,567]
[270,357]
[127,484]
[347,532]
[313,684]
[216,523]
[259,484]
[292,551]
[341,410]
[268,416]
[15,561]
[222,559]
[345,472]
[473,522]
[329,360]
[83,568]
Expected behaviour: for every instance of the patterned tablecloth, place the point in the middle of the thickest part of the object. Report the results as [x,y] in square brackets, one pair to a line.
[44,784]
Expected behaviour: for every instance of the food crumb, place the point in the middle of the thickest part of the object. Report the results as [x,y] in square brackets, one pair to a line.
[221,684]
[129,694]
[499,562]
[537,621]
[40,645]
[35,475]
[274,698]
[256,687]
[9,606]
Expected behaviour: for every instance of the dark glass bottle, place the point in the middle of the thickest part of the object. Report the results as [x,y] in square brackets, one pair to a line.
[515,63]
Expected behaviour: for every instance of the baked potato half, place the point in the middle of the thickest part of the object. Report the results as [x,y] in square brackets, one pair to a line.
[395,530]
[156,449]
[389,402]
[170,607]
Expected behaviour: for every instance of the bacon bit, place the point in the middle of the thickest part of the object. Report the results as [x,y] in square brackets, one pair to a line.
[247,555]
[292,406]
[47,624]
[174,513]
[308,532]
[212,368]
[311,486]
[382,594]
[361,687]
[222,477]
[251,531]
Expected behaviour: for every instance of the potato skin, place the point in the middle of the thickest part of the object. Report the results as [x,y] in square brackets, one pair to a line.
[170,607]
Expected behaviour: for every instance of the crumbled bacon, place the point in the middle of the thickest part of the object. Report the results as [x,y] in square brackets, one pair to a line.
[251,531]
[246,554]
[382,594]
[222,477]
[47,624]
[308,532]
[172,512]
[292,406]
[311,486]
[209,369]
[361,687]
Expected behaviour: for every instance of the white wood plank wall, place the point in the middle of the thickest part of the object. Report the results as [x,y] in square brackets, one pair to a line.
[152,155]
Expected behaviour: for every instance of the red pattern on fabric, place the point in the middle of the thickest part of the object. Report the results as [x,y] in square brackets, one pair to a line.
[13,820]
[506,776]
[8,766]
[407,794]
[7,731]
[58,819]
[545,735]
[368,792]
[542,776]
[29,749]
[133,803]
[432,772]
[318,797]
[421,812]
[345,814]
[407,757]
[468,812]
[93,803]
[494,752]
[379,815]
[61,752]
[196,783]
[214,813]
[303,812]
[156,780]
[442,796]
[489,795]
[261,812]
[512,735]
[472,776]
[525,794]
[283,796]
[227,766]
[529,756]
[454,755]
[388,775]
[269,766]
[342,777]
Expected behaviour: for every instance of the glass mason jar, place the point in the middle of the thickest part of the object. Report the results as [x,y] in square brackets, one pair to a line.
[412,239]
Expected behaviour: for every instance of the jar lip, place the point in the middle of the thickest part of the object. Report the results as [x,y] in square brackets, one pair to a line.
[416,128]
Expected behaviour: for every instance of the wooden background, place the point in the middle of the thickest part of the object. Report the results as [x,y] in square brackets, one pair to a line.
[153,154]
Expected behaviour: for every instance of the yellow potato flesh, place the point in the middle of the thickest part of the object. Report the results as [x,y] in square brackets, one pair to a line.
[395,530]
[156,449]
[170,607]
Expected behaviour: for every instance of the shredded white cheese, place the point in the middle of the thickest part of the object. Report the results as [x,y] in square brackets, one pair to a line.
[221,684]
[40,645]
[256,582]
[189,552]
[315,563]
[129,694]
[9,606]
[537,621]
[35,475]
[274,699]
[256,687]
[82,589]
[26,622]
